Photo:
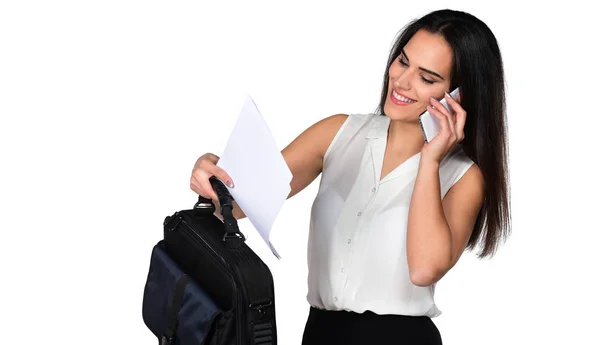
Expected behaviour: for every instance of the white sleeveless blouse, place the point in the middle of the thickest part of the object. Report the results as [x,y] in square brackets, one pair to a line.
[357,240]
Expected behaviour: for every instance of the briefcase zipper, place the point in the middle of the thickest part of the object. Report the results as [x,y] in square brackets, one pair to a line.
[189,229]
[240,319]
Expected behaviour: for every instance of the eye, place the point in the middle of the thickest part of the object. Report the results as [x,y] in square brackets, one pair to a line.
[427,81]
[402,62]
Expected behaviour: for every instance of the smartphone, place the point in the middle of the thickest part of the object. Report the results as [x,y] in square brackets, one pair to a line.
[429,123]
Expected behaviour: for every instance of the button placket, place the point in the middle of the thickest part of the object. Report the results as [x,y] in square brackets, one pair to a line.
[350,249]
[343,276]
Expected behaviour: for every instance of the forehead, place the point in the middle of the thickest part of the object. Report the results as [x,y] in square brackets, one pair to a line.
[430,51]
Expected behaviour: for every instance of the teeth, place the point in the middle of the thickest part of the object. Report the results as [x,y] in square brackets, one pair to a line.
[401,98]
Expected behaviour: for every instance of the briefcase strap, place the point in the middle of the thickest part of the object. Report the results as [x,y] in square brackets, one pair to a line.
[167,338]
[233,236]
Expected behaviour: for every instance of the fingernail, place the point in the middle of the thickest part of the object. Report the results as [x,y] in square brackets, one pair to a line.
[447,95]
[229,183]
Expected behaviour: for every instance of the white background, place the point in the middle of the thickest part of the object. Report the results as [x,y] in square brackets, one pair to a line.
[106,105]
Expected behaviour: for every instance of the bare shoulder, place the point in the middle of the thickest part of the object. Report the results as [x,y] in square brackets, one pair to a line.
[328,128]
[331,123]
[318,137]
[337,118]
[304,155]
[474,177]
[471,185]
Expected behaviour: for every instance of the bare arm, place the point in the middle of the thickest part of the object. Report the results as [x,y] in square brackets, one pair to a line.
[438,230]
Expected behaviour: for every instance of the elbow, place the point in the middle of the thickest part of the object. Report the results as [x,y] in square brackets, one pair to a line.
[429,273]
[422,278]
[425,276]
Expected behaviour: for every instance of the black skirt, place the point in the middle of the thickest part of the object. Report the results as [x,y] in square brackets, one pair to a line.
[325,327]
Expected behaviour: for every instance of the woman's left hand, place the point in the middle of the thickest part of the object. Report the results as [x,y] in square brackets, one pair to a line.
[451,129]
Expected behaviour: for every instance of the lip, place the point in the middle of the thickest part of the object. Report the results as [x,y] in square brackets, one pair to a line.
[398,102]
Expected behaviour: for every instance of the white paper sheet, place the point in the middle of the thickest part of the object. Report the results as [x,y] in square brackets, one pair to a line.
[260,175]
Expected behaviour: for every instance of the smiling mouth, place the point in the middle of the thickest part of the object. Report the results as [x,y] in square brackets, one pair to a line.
[401,98]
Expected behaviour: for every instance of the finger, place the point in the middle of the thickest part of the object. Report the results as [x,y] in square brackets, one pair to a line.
[451,125]
[213,170]
[197,190]
[454,104]
[446,113]
[439,106]
[209,168]
[445,125]
[207,190]
[461,120]
[223,176]
[461,114]
[200,184]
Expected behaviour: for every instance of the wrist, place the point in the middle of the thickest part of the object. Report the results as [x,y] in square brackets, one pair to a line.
[429,164]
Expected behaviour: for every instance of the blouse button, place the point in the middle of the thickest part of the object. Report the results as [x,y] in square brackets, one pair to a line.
[335,299]
[359,213]
[373,190]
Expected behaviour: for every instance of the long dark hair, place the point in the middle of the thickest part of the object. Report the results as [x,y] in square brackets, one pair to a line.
[478,70]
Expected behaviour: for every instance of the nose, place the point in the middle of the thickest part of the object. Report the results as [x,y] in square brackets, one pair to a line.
[402,81]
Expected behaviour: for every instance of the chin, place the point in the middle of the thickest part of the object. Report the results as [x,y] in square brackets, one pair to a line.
[395,113]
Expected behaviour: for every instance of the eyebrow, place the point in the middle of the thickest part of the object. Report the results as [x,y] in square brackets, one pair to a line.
[421,68]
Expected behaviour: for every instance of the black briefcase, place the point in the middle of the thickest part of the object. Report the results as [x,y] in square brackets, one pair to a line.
[205,285]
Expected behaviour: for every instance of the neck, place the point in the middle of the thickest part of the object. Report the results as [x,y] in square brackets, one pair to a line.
[405,138]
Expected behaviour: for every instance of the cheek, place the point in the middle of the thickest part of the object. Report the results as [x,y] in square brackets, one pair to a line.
[425,93]
[422,92]
[394,71]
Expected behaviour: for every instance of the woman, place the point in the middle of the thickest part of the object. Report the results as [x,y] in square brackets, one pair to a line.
[394,213]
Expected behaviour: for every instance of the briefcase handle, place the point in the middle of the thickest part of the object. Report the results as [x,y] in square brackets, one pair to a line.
[232,231]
